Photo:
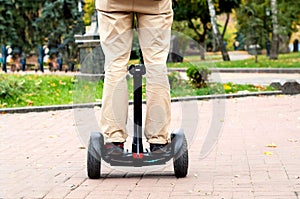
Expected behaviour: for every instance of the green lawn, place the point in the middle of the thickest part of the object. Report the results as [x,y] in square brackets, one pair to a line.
[40,90]
[291,60]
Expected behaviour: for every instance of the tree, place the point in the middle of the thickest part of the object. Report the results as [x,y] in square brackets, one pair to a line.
[197,16]
[275,39]
[89,10]
[216,31]
[16,23]
[27,24]
[256,23]
[226,6]
[60,20]
[288,20]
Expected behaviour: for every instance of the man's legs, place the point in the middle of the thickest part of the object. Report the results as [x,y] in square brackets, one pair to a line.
[154,36]
[115,30]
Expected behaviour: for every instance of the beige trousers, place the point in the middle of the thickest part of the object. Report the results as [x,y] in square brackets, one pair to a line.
[154,20]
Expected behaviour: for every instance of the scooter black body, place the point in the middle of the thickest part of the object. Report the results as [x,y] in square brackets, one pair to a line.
[138,156]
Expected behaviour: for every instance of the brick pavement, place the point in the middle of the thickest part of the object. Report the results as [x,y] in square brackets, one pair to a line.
[41,156]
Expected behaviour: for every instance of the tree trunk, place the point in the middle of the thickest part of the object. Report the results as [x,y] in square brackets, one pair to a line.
[201,39]
[226,24]
[216,31]
[275,37]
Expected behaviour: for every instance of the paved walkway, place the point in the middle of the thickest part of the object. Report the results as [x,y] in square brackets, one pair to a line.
[41,156]
[254,78]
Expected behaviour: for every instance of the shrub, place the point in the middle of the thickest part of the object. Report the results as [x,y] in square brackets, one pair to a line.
[10,89]
[198,75]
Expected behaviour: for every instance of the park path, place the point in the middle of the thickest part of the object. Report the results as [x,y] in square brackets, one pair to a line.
[257,155]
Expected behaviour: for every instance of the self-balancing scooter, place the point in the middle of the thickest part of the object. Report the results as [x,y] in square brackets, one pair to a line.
[177,149]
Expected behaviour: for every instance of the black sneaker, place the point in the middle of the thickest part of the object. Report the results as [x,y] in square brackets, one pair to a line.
[114,148]
[159,148]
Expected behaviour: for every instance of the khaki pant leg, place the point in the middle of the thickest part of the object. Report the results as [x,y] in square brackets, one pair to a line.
[115,31]
[154,35]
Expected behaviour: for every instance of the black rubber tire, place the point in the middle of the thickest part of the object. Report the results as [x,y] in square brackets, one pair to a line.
[181,161]
[93,166]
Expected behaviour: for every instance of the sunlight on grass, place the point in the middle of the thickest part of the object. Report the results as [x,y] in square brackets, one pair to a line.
[291,60]
[41,90]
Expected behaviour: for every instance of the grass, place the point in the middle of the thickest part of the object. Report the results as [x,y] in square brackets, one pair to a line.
[31,90]
[291,60]
[41,90]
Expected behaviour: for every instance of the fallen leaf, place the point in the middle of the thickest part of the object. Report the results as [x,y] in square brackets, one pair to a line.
[226,87]
[268,153]
[292,140]
[81,147]
[52,136]
[272,145]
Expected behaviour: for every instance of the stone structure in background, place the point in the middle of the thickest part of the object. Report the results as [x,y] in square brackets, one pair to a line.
[91,56]
[290,87]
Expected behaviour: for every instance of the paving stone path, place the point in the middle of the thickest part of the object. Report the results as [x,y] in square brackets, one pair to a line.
[257,156]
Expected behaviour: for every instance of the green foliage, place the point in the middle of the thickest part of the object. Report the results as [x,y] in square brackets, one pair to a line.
[291,60]
[252,22]
[212,88]
[59,22]
[10,88]
[27,24]
[17,25]
[174,79]
[35,90]
[41,90]
[234,88]
[254,19]
[227,6]
[89,9]
[196,15]
[86,90]
[198,75]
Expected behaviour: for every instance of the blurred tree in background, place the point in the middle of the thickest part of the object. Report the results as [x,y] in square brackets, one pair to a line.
[27,24]
[195,16]
[17,25]
[256,24]
[89,10]
[57,24]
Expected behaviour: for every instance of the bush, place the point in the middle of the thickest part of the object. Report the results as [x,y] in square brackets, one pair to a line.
[198,75]
[174,79]
[10,89]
